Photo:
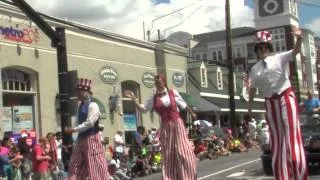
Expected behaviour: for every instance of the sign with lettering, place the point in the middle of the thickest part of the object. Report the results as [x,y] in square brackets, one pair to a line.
[178,79]
[148,79]
[108,75]
[25,35]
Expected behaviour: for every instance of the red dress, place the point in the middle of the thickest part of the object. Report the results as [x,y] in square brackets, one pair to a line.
[179,161]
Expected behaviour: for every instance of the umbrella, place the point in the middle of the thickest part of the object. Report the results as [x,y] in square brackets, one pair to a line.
[203,123]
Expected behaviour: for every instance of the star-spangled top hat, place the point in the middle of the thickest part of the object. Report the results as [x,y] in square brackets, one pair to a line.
[84,84]
[263,37]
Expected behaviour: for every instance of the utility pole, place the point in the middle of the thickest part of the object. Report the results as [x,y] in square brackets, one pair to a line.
[230,67]
[58,41]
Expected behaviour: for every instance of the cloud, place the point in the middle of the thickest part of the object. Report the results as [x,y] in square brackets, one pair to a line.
[126,17]
[314,26]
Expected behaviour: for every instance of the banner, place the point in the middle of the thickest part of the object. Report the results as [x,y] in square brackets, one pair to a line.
[22,118]
[6,119]
[130,122]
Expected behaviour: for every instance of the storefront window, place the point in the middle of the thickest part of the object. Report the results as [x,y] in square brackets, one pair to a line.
[18,101]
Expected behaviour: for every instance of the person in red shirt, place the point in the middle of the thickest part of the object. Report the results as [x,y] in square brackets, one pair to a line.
[40,160]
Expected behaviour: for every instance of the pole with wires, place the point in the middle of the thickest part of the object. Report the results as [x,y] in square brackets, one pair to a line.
[231,68]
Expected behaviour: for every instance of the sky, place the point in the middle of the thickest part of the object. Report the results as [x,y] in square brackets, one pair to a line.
[134,17]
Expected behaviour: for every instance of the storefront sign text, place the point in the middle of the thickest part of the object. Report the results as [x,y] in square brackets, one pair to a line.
[178,79]
[25,35]
[108,75]
[148,79]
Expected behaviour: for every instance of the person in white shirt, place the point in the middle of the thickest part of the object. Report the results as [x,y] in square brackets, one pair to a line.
[252,126]
[264,138]
[119,144]
[270,74]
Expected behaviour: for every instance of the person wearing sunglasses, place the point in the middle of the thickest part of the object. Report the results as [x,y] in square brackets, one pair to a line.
[270,74]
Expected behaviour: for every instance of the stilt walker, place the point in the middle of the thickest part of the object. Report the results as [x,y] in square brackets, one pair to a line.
[270,75]
[87,161]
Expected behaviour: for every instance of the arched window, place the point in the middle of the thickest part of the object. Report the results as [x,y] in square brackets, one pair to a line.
[203,75]
[15,80]
[219,79]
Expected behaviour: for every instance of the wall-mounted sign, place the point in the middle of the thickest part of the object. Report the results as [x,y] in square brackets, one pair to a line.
[130,122]
[25,35]
[22,118]
[148,79]
[6,119]
[108,75]
[178,79]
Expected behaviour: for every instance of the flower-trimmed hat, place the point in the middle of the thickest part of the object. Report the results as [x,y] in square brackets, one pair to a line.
[84,84]
[263,37]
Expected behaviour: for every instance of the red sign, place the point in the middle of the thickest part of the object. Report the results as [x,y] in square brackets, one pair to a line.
[25,35]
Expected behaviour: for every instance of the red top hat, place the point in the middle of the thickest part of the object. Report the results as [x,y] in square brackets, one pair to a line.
[263,37]
[84,84]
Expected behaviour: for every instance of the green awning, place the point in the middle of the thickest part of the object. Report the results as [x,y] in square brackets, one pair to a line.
[188,98]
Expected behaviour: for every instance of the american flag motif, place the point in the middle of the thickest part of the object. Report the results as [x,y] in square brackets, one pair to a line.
[84,84]
[264,36]
[246,80]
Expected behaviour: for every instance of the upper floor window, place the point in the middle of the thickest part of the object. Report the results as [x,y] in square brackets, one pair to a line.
[203,75]
[236,52]
[204,57]
[311,45]
[198,57]
[219,79]
[235,82]
[279,40]
[217,55]
[15,80]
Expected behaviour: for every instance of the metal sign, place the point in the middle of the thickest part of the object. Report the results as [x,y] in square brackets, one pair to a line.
[178,79]
[108,75]
[148,79]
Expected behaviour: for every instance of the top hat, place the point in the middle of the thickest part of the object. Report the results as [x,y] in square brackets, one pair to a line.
[263,37]
[84,84]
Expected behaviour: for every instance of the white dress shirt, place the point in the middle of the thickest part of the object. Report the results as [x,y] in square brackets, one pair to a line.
[165,99]
[271,75]
[93,116]
[118,143]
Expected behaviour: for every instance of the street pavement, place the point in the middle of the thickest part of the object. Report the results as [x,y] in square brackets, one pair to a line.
[237,166]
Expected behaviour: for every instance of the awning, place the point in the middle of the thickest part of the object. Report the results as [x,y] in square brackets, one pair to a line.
[203,105]
[198,104]
[188,98]
[240,105]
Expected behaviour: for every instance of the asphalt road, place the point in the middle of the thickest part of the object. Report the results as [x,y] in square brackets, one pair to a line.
[244,166]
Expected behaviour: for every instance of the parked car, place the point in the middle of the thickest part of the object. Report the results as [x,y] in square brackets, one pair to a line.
[311,142]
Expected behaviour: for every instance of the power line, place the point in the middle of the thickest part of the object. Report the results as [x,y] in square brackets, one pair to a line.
[175,11]
[184,20]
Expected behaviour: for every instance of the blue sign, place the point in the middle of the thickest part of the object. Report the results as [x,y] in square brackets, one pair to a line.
[178,79]
[130,122]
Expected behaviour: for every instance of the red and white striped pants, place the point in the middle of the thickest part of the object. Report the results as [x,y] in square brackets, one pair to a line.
[288,157]
[88,161]
[178,158]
